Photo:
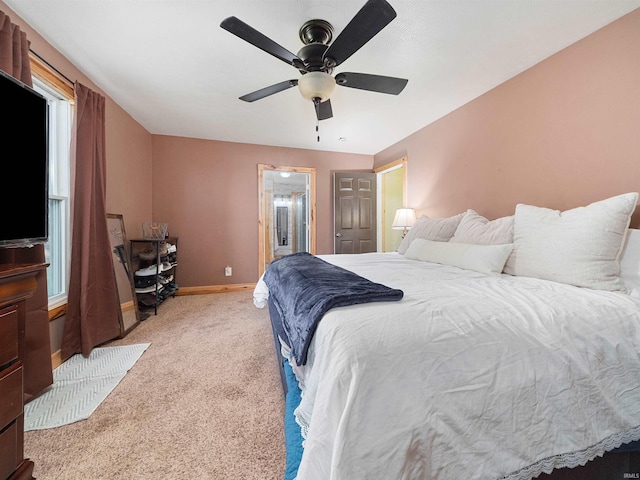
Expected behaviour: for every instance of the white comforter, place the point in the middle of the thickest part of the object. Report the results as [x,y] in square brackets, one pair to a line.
[469,376]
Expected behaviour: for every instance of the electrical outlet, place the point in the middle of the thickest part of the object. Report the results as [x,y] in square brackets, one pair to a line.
[227,271]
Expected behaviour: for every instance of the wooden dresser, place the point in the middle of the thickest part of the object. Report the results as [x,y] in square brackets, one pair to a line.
[17,284]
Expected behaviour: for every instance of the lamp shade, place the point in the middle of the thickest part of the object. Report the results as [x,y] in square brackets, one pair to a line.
[316,85]
[404,219]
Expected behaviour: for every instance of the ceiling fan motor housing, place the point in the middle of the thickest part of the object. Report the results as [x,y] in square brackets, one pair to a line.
[316,35]
[312,59]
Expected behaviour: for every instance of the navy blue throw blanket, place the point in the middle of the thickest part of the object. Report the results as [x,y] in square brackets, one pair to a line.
[304,287]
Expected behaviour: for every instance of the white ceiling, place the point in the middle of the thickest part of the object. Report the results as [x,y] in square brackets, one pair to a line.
[170,65]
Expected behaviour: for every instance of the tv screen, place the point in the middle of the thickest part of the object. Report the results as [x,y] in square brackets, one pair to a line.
[23,164]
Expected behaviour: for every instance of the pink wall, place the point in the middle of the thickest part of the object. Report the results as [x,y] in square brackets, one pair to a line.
[561,134]
[207,191]
[129,165]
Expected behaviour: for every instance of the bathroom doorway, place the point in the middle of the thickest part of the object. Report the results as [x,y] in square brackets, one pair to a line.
[286,212]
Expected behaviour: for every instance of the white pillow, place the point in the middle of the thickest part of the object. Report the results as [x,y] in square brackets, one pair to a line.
[581,247]
[480,258]
[630,262]
[436,229]
[474,228]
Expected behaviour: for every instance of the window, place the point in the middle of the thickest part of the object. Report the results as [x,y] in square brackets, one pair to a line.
[57,249]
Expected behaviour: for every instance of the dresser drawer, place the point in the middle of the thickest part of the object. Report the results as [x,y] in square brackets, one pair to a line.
[8,335]
[9,447]
[10,393]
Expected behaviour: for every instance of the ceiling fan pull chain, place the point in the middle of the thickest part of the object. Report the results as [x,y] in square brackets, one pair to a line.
[316,104]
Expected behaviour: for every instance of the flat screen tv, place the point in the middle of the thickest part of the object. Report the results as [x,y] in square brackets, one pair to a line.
[23,165]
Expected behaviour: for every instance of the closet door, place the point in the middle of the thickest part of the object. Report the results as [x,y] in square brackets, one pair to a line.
[354,212]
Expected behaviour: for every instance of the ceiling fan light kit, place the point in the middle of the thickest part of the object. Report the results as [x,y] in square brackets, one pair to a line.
[316,85]
[319,56]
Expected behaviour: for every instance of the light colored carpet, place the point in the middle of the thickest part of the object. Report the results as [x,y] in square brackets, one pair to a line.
[204,401]
[79,385]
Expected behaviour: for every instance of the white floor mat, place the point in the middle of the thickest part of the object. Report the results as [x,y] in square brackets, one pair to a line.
[79,385]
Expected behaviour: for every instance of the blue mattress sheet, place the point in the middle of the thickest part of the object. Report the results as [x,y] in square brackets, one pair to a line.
[293,437]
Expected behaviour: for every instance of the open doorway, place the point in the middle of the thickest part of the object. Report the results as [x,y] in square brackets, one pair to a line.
[392,194]
[287,206]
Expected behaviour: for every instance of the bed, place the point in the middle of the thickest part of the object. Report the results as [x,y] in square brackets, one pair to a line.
[513,350]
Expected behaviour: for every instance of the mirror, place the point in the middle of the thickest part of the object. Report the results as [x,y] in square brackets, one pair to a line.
[130,317]
[287,212]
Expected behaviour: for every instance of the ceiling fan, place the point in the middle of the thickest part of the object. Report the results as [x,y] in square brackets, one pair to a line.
[318,57]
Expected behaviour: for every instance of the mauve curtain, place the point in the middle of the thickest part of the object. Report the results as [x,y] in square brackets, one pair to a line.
[14,50]
[14,60]
[93,303]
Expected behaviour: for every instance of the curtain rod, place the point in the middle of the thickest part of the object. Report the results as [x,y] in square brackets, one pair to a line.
[69,81]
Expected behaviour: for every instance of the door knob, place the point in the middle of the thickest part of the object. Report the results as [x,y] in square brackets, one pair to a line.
[338,234]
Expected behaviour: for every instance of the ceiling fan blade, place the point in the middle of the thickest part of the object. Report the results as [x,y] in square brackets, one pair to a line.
[372,17]
[373,83]
[254,37]
[266,91]
[323,109]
